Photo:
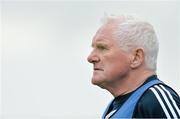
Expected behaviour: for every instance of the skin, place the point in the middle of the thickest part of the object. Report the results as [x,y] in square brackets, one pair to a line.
[116,70]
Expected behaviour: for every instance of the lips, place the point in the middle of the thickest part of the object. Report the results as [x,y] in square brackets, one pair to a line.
[98,69]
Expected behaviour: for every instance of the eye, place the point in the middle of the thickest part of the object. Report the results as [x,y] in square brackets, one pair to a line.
[101,47]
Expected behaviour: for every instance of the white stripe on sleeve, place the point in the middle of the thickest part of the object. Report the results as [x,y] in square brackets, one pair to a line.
[174,103]
[167,101]
[161,102]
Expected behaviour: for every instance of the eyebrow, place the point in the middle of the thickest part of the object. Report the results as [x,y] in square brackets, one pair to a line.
[99,44]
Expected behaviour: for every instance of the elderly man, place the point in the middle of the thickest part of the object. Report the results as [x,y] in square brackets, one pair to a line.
[124,57]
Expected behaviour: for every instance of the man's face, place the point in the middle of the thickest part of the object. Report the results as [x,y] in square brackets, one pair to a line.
[110,62]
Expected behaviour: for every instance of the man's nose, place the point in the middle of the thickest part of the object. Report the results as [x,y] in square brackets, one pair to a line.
[93,58]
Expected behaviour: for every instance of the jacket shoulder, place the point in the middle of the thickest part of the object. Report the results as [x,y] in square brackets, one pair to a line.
[159,101]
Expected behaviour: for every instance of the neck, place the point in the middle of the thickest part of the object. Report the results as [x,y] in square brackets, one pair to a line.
[129,83]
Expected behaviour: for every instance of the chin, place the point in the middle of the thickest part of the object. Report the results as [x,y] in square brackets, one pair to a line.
[98,82]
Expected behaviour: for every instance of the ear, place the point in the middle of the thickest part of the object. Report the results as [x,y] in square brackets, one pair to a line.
[137,57]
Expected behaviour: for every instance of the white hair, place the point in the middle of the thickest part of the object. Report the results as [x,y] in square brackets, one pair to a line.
[132,32]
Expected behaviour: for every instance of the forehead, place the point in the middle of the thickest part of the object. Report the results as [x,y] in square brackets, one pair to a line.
[105,33]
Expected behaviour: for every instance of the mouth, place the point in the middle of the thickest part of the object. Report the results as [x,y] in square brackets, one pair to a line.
[98,69]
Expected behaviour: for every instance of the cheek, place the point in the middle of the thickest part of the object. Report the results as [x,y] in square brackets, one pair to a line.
[117,66]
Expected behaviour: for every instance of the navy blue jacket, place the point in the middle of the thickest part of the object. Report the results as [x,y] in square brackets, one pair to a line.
[157,101]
